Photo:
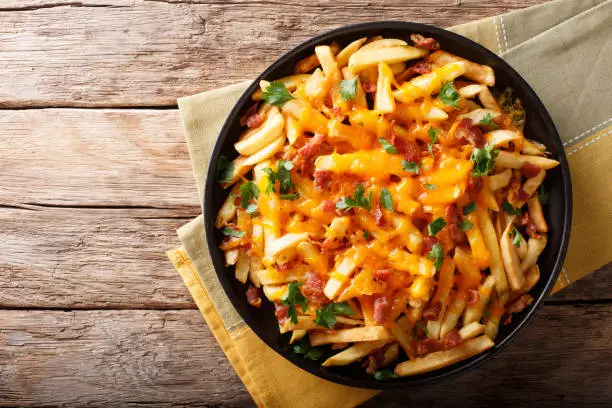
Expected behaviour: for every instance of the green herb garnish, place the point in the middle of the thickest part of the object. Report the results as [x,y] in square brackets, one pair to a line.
[386,200]
[465,225]
[231,232]
[507,207]
[411,167]
[389,148]
[304,348]
[277,94]
[469,208]
[484,160]
[382,375]
[326,316]
[448,95]
[488,122]
[292,297]
[348,88]
[225,169]
[436,226]
[436,255]
[358,200]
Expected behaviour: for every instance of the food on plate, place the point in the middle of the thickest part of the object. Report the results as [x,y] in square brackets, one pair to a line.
[388,204]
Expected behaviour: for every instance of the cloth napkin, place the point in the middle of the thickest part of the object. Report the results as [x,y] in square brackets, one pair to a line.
[563,49]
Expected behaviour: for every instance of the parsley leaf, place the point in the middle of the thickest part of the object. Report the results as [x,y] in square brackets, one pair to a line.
[411,167]
[277,94]
[465,225]
[348,88]
[542,195]
[271,180]
[366,235]
[326,316]
[437,255]
[282,175]
[292,297]
[516,237]
[386,200]
[429,186]
[248,191]
[484,160]
[436,226]
[507,207]
[433,134]
[225,169]
[382,375]
[469,208]
[389,148]
[359,200]
[488,122]
[304,348]
[231,232]
[449,95]
[291,197]
[251,209]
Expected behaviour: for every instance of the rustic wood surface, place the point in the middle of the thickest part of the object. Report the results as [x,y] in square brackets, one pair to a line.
[91,311]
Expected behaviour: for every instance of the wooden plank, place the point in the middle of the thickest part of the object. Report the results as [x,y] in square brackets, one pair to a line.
[90,258]
[170,358]
[596,286]
[85,157]
[141,53]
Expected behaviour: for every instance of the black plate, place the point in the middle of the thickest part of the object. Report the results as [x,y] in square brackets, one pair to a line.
[539,126]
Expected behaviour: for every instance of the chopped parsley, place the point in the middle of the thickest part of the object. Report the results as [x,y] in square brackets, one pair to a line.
[436,226]
[542,195]
[487,121]
[292,297]
[231,232]
[304,348]
[448,95]
[429,186]
[507,207]
[382,375]
[469,208]
[366,235]
[282,175]
[436,255]
[291,197]
[248,192]
[484,160]
[348,88]
[386,200]
[277,94]
[358,200]
[326,316]
[465,225]
[225,169]
[516,237]
[389,148]
[411,167]
[433,134]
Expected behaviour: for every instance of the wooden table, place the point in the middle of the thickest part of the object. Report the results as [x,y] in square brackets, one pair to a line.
[95,179]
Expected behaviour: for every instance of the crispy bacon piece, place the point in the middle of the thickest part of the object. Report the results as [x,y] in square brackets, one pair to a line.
[337,111]
[284,267]
[520,304]
[450,214]
[420,68]
[432,311]
[452,220]
[382,275]
[428,243]
[312,147]
[407,148]
[420,223]
[475,184]
[280,312]
[473,296]
[506,319]
[313,290]
[530,170]
[322,178]
[369,87]
[374,361]
[530,227]
[327,205]
[425,346]
[253,297]
[424,42]
[251,118]
[381,307]
[451,339]
[466,130]
[378,216]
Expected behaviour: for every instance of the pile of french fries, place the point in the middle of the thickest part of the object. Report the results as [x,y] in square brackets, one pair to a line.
[355,107]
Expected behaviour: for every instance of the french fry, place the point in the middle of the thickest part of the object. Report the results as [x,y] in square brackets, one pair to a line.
[443,358]
[297,335]
[269,276]
[452,315]
[343,271]
[536,215]
[357,334]
[488,100]
[368,57]
[501,137]
[497,266]
[328,63]
[383,43]
[521,248]
[491,328]
[265,153]
[531,184]
[274,293]
[404,340]
[291,82]
[311,62]
[285,242]
[343,56]
[241,166]
[242,267]
[367,309]
[500,180]
[532,276]
[511,260]
[516,161]
[227,212]
[303,323]
[231,257]
[478,115]
[481,255]
[482,74]
[474,313]
[428,84]
[353,353]
[535,246]
[470,91]
[384,101]
[471,330]
[533,148]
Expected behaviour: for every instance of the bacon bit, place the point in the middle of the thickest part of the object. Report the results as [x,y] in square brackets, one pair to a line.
[369,87]
[506,320]
[452,339]
[332,244]
[322,178]
[521,195]
[253,297]
[530,170]
[466,130]
[452,219]
[425,346]
[313,290]
[424,42]
[432,311]
[520,304]
[524,219]
[280,312]
[530,227]
[473,297]
[382,274]
[421,68]
[420,223]
[251,118]
[381,306]
[342,213]
[327,205]
[337,111]
[475,184]
[312,147]
[374,361]
[450,214]
[378,216]
[428,243]
[407,148]
[285,267]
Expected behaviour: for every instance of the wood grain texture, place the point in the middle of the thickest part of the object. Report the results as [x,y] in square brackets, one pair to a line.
[169,358]
[147,53]
[90,258]
[86,157]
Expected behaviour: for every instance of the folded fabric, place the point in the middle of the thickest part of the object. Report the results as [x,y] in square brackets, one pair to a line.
[562,48]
